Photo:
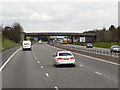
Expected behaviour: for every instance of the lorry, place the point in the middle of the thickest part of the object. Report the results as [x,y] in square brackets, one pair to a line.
[64,40]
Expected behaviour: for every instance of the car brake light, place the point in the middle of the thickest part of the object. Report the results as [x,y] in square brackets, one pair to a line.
[72,58]
[59,58]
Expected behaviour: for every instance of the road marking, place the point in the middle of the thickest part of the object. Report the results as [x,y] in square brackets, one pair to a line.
[35,58]
[56,88]
[98,73]
[81,65]
[38,61]
[98,59]
[41,66]
[9,59]
[90,57]
[47,74]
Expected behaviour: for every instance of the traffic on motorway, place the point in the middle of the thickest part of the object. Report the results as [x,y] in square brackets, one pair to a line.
[45,66]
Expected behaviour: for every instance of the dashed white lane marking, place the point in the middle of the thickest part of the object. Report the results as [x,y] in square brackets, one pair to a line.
[41,66]
[81,65]
[1,68]
[47,74]
[98,73]
[56,88]
[38,61]
[90,57]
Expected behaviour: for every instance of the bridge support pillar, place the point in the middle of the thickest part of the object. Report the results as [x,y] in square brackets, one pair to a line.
[48,39]
[95,39]
[72,39]
[22,36]
[25,37]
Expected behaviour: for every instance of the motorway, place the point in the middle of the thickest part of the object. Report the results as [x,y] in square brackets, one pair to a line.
[34,69]
[94,48]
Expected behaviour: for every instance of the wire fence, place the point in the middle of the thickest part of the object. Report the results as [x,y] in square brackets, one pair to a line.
[98,52]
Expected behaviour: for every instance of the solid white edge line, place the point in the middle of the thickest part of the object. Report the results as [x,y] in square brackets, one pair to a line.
[1,68]
[90,57]
[97,59]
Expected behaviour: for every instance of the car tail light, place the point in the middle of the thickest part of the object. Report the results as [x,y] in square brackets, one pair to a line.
[72,58]
[59,58]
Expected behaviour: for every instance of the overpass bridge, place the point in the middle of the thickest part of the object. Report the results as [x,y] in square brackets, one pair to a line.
[72,34]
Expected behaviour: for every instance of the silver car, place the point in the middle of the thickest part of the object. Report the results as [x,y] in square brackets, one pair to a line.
[115,48]
[63,57]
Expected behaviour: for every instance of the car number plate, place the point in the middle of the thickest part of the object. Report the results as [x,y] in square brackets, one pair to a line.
[66,58]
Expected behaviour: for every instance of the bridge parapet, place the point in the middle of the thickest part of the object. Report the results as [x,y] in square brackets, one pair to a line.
[60,34]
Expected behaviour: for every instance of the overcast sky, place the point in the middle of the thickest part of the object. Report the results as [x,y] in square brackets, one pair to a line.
[62,16]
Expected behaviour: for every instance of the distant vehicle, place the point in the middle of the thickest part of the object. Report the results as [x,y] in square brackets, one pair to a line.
[26,45]
[32,43]
[64,40]
[60,41]
[63,57]
[89,45]
[40,41]
[115,48]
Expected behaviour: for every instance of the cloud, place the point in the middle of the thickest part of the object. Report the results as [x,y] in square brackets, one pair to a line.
[39,17]
[60,16]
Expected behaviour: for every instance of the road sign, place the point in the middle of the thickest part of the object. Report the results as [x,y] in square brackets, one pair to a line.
[82,39]
[35,39]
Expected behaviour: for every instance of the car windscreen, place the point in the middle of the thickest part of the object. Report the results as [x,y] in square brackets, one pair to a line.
[89,44]
[116,47]
[65,54]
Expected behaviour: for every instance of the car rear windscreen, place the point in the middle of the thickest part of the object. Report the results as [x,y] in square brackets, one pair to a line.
[65,54]
[26,43]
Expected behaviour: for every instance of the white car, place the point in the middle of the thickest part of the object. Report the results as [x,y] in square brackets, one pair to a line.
[63,57]
[26,45]
[40,42]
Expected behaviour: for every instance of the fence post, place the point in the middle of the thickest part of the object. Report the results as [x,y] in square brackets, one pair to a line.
[119,57]
[115,54]
[107,53]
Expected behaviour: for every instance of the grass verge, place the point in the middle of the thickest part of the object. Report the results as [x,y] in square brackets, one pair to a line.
[8,44]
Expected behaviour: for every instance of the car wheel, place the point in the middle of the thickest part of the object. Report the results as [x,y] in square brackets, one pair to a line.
[74,65]
[56,65]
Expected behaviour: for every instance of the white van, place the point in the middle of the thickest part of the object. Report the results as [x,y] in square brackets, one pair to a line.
[26,45]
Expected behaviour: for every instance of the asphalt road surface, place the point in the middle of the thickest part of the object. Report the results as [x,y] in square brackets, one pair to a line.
[34,69]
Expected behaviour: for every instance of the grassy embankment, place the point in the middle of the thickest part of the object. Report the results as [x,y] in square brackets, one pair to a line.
[100,44]
[8,44]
